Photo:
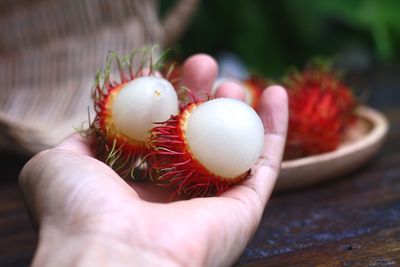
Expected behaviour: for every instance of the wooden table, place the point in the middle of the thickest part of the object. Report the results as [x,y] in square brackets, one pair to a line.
[351,221]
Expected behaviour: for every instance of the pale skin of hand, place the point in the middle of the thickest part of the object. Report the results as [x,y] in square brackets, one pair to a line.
[86,215]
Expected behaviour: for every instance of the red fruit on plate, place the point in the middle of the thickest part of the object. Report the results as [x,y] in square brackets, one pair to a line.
[321,107]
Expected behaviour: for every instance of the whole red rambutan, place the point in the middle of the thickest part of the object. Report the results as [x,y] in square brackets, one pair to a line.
[321,107]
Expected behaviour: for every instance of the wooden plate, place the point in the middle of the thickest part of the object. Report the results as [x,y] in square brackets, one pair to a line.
[361,142]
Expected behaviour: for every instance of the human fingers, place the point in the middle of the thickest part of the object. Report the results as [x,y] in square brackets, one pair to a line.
[77,143]
[198,74]
[242,206]
[228,221]
[274,113]
[231,90]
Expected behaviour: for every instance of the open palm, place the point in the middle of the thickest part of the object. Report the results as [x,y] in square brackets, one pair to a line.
[70,194]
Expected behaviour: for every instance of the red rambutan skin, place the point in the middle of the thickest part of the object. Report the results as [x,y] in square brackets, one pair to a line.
[321,107]
[173,164]
[114,148]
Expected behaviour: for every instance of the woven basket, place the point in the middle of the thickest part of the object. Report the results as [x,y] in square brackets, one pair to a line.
[51,52]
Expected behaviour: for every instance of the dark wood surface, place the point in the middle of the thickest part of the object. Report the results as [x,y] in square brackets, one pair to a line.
[17,239]
[351,221]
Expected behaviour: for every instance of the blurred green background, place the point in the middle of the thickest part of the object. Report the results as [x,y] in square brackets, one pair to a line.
[269,36]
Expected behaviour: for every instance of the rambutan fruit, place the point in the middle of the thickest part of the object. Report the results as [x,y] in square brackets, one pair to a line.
[321,107]
[206,148]
[126,109]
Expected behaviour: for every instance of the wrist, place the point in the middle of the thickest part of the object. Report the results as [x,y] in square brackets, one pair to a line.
[57,248]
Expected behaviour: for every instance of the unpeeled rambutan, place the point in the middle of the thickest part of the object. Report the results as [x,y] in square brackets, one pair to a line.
[321,107]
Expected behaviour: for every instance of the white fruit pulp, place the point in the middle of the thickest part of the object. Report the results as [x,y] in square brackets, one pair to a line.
[140,103]
[226,136]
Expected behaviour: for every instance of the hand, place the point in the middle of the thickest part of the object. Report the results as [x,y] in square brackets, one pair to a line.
[87,215]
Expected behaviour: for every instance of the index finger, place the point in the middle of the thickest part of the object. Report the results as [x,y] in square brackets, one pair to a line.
[198,74]
[274,114]
[77,143]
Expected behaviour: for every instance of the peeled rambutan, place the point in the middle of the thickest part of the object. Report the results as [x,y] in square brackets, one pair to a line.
[126,109]
[206,148]
[321,107]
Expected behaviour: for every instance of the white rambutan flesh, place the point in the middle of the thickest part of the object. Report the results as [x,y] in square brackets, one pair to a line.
[142,102]
[226,136]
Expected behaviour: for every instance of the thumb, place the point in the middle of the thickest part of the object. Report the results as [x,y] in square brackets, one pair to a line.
[78,144]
